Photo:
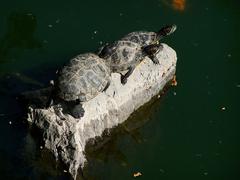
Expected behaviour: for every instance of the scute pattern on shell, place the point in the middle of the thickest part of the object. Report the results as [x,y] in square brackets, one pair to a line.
[83,78]
[143,38]
[123,54]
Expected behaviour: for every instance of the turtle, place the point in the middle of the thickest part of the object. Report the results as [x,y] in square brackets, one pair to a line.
[126,53]
[83,78]
[123,55]
[145,38]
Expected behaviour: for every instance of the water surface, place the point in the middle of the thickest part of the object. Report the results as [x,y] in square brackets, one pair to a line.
[192,132]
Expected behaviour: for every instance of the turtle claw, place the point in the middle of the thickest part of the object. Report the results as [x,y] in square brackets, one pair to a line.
[155,60]
[123,80]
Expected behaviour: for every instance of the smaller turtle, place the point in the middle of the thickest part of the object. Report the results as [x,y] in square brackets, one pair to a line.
[145,38]
[124,56]
[83,78]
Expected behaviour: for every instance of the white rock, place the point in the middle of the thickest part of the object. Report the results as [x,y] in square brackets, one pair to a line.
[67,138]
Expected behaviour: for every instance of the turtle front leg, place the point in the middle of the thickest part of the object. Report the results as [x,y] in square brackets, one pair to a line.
[124,77]
[152,50]
[106,87]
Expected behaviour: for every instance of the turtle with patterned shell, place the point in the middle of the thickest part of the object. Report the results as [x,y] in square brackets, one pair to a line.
[124,55]
[83,78]
[145,38]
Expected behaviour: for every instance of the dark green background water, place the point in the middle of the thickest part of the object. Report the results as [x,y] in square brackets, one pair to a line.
[184,135]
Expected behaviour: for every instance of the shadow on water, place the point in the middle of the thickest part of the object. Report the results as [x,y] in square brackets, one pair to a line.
[21,27]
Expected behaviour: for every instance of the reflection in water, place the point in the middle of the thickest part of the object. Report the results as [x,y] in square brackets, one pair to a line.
[20,34]
[107,149]
[178,5]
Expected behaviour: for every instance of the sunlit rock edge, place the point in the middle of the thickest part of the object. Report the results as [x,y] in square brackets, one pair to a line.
[66,139]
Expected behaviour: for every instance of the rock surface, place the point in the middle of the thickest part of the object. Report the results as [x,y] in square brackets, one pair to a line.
[66,136]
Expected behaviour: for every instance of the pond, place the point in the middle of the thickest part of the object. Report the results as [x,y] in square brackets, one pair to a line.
[192,132]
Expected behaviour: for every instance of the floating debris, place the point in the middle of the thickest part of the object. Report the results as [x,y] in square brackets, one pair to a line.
[223,108]
[174,93]
[41,147]
[161,170]
[65,171]
[195,44]
[198,155]
[205,173]
[57,21]
[137,174]
[120,14]
[220,142]
[10,122]
[229,55]
[50,25]
[174,81]
[211,121]
[238,85]
[95,32]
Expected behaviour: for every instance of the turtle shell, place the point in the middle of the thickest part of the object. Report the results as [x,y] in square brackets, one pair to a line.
[122,54]
[143,38]
[83,78]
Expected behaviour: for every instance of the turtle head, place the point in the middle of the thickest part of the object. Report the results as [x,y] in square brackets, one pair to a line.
[165,31]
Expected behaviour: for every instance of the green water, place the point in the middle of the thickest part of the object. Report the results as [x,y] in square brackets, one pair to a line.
[184,135]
